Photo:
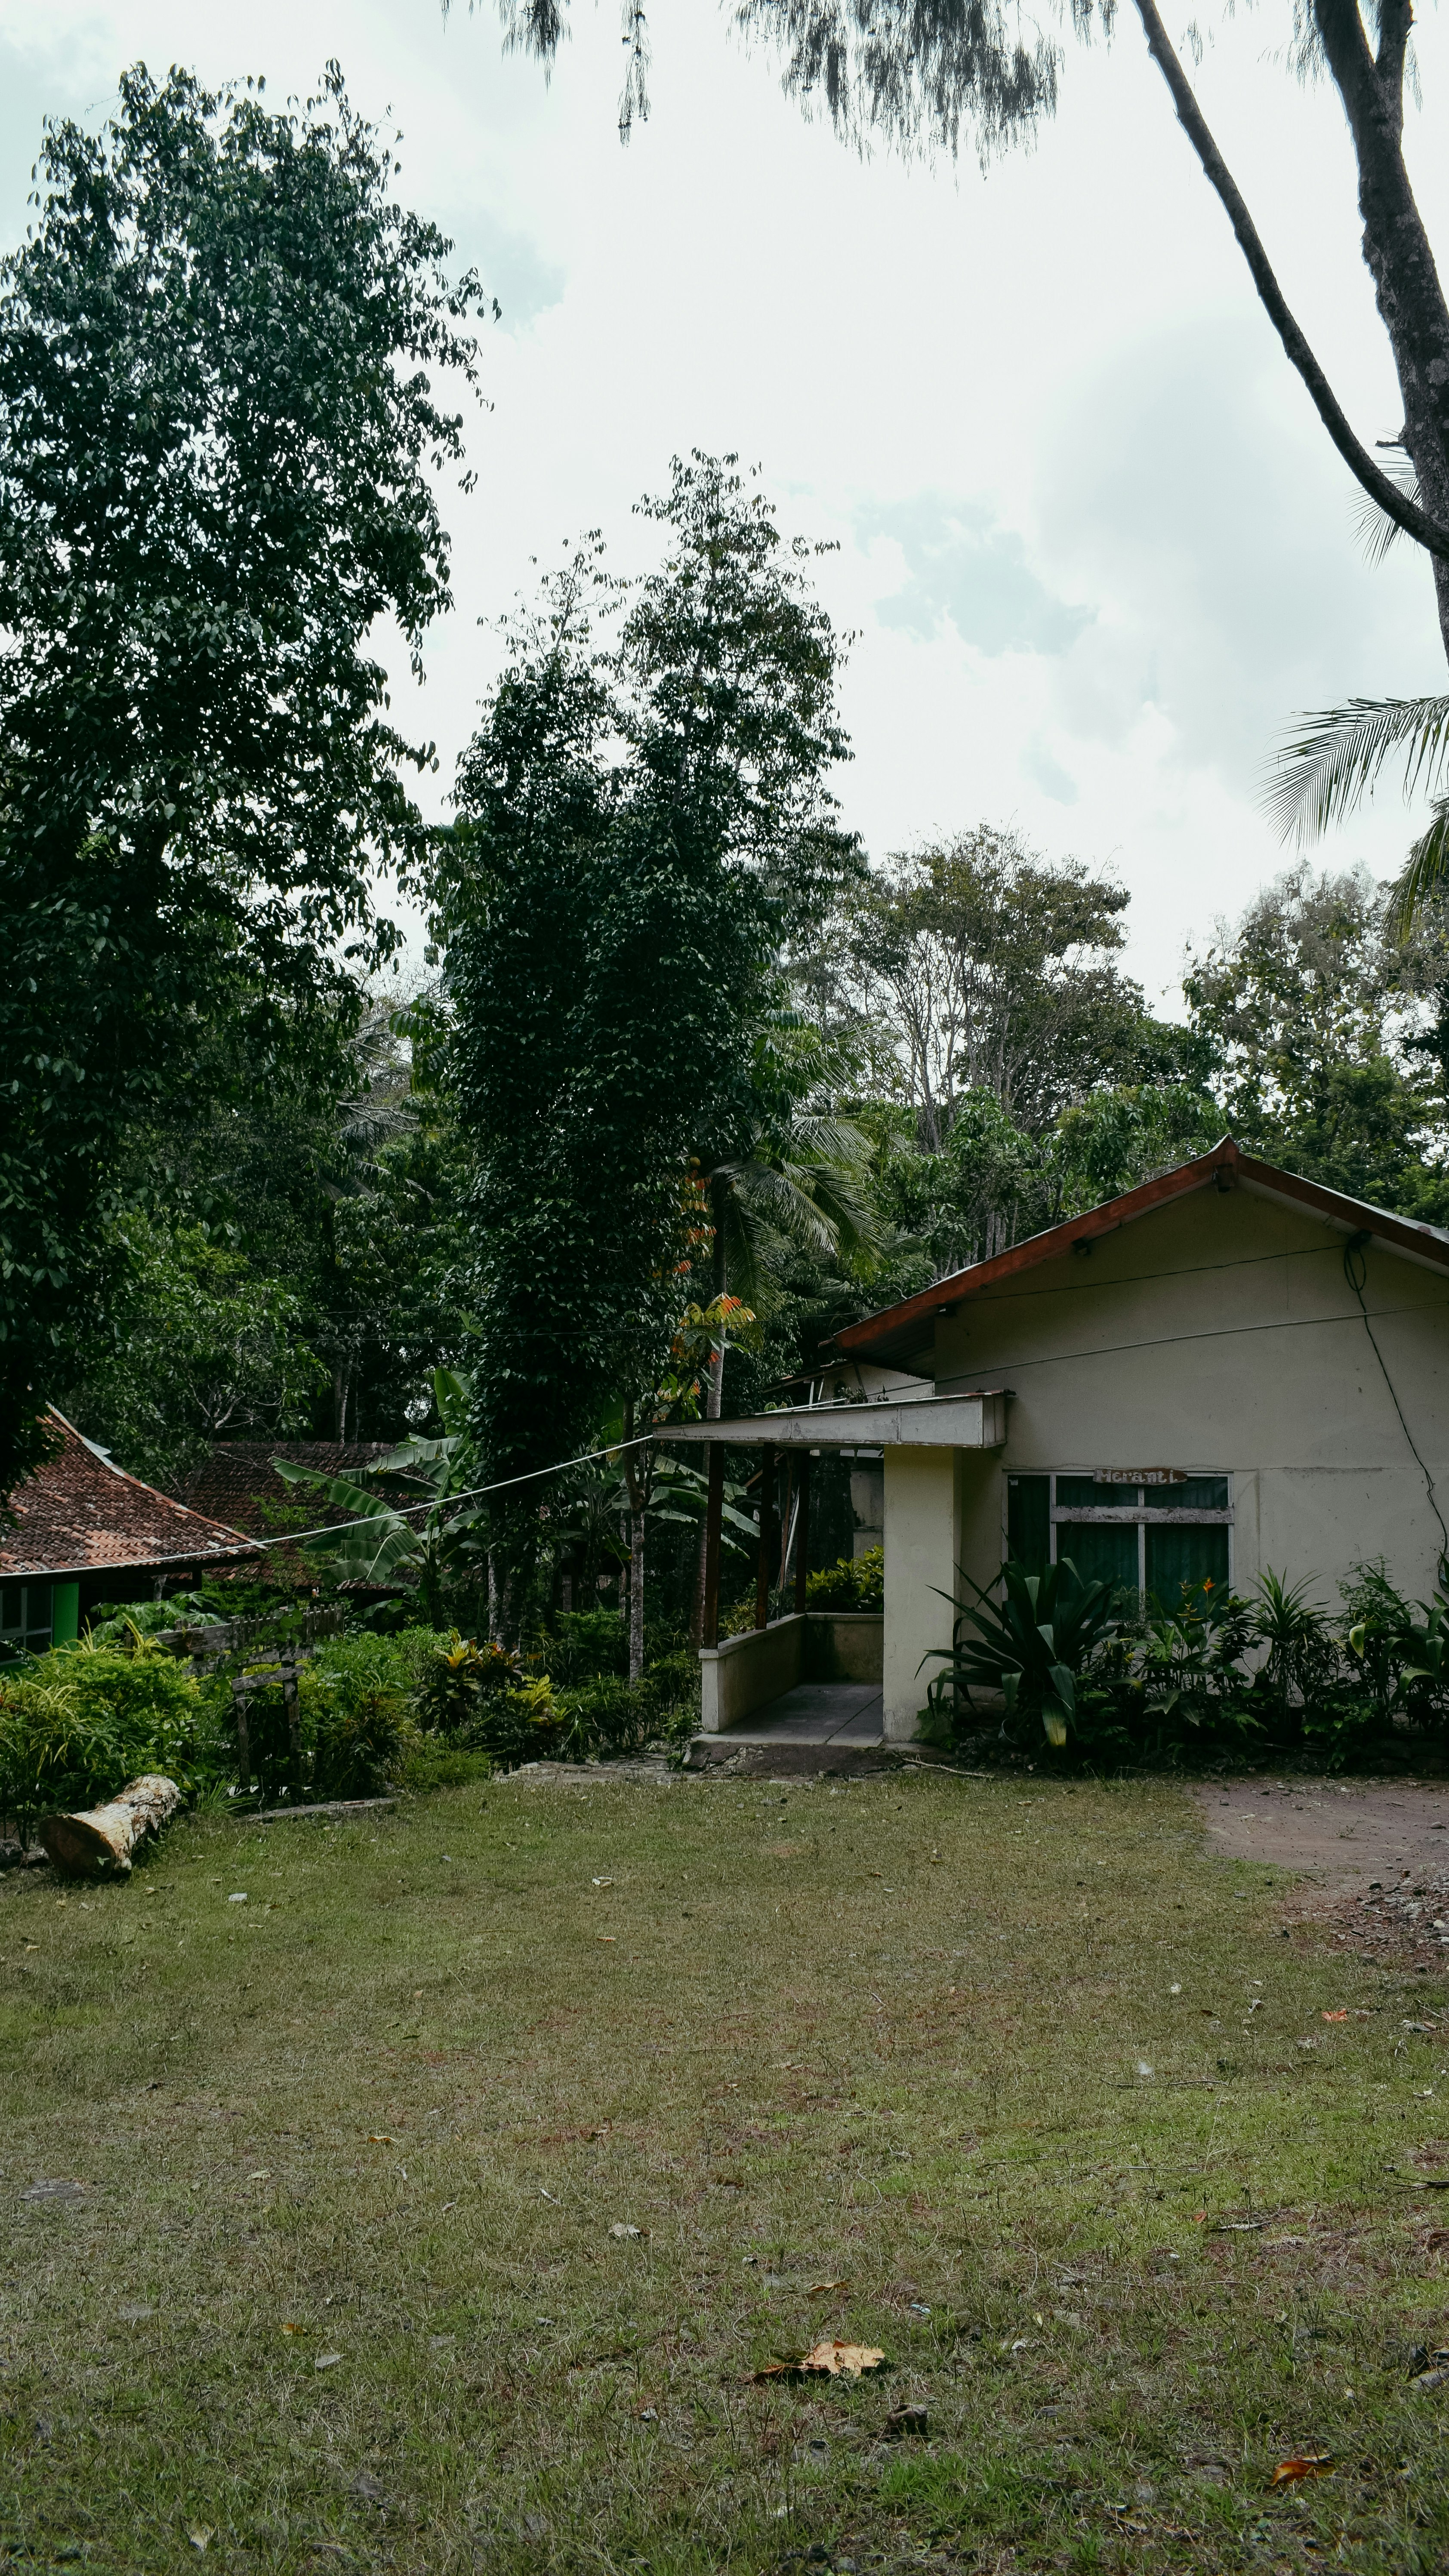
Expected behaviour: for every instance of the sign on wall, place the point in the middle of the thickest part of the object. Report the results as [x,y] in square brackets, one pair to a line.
[1140,1475]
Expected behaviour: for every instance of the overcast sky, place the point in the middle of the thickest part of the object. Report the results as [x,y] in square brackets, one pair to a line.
[1093,542]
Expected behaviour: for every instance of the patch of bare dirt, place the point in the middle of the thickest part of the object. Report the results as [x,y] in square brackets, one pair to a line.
[1342,1835]
[1372,1860]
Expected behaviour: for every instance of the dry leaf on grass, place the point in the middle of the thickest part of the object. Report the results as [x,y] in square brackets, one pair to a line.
[199,2534]
[1306,2464]
[620,2228]
[821,2289]
[828,2360]
[375,2140]
[1336,2016]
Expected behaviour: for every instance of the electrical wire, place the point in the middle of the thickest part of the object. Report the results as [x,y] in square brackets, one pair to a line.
[469,1493]
[1355,1271]
[1162,1341]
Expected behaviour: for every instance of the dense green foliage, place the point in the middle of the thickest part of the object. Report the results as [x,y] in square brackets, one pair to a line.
[641,828]
[217,442]
[77,1724]
[1060,1659]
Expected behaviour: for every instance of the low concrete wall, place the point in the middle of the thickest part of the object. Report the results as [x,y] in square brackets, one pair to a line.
[740,1675]
[844,1645]
[744,1673]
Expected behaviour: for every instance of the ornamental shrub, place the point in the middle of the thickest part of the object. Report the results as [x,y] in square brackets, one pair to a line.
[81,1721]
[852,1583]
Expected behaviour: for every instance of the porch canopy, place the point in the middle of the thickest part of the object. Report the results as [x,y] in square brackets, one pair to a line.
[974,1421]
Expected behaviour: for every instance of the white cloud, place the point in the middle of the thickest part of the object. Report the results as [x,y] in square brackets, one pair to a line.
[1094,543]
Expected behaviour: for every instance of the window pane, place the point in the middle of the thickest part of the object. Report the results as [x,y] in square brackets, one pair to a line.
[11,1598]
[1198,1494]
[1101,1551]
[1185,1554]
[1085,1494]
[1028,1521]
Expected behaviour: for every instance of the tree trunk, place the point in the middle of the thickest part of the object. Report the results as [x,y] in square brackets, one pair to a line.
[636,1596]
[1396,245]
[713,1395]
[99,1842]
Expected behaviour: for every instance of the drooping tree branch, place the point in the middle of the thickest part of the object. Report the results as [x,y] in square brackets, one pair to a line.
[1392,500]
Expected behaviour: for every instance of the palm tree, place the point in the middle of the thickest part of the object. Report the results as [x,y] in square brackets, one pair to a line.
[1322,775]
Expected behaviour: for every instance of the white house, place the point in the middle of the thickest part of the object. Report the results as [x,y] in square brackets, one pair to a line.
[1225,1371]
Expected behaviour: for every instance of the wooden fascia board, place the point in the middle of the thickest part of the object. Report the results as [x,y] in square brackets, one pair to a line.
[920,1312]
[1409,1241]
[911,1326]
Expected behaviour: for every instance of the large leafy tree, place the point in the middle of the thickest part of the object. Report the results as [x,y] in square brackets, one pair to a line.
[1316,1015]
[990,970]
[319,1183]
[218,444]
[641,828]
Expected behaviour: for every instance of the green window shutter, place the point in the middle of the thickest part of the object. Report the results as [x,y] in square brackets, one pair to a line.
[1028,1521]
[1101,1551]
[1187,1552]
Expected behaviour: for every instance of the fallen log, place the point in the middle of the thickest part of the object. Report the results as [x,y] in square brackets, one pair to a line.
[99,1842]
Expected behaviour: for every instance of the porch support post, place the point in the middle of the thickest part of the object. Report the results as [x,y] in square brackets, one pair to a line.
[713,1515]
[767,1535]
[923,1489]
[802,1531]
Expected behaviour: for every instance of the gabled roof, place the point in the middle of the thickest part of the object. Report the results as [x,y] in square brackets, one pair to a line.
[899,1332]
[80,1515]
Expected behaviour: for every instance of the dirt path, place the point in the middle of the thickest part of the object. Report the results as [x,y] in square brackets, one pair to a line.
[1343,1835]
[1373,1858]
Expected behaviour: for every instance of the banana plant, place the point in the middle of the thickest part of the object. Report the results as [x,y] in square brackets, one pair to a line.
[1032,1646]
[429,1543]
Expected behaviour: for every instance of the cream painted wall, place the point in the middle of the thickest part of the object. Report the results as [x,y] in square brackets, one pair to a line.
[922,1544]
[1217,1334]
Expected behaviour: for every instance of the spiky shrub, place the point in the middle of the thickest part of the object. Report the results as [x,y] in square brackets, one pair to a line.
[357,1731]
[1032,1648]
[456,1682]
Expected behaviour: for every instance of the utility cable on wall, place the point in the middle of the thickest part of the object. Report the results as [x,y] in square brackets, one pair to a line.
[1355,1271]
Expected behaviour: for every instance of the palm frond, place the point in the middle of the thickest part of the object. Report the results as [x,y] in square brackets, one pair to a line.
[1322,775]
[361,1502]
[1427,867]
[1372,526]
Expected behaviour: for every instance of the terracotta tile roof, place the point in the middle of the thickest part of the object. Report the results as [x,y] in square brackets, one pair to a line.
[238,1482]
[78,1514]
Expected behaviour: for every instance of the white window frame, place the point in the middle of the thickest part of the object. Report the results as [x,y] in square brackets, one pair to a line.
[1145,1515]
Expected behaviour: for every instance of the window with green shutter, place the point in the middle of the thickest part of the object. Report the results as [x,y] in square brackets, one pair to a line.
[1147,1538]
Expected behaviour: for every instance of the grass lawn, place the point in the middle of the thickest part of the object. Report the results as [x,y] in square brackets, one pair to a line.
[1009,2078]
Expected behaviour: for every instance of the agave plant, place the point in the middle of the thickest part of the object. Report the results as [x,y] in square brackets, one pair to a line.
[1033,1646]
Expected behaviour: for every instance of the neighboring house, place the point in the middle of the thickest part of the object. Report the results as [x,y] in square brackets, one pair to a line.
[238,1482]
[80,1531]
[1226,1372]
